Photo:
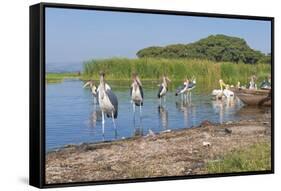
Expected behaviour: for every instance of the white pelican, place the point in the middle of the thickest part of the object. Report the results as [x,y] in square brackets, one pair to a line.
[252,84]
[220,93]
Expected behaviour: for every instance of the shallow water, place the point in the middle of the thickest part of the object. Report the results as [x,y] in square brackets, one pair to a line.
[73,118]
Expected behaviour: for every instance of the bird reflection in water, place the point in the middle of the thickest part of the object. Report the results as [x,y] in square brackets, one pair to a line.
[223,107]
[163,116]
[95,116]
[183,107]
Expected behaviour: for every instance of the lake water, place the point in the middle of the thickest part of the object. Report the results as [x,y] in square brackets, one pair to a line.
[73,118]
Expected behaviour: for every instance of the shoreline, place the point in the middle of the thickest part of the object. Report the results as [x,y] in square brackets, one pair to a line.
[175,153]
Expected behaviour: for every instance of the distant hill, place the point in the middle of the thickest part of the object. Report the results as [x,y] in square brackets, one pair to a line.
[215,47]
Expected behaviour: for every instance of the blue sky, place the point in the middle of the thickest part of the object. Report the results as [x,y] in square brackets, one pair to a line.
[77,35]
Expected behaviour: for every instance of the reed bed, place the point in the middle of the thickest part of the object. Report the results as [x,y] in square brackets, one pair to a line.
[177,69]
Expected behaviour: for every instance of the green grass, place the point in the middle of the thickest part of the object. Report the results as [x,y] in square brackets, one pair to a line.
[59,77]
[205,71]
[255,158]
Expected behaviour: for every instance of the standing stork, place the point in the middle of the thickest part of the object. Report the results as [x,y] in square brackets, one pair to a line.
[136,93]
[190,86]
[163,89]
[108,102]
[186,88]
[93,88]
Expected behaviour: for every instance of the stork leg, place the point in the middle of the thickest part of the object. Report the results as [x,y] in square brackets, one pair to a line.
[164,100]
[102,114]
[134,110]
[113,120]
[140,120]
[134,117]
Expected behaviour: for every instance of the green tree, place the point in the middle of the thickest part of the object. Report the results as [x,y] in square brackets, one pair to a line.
[215,47]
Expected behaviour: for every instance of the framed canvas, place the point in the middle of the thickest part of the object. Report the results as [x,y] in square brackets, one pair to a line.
[126,95]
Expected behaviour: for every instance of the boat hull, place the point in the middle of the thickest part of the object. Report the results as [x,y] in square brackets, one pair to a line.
[254,97]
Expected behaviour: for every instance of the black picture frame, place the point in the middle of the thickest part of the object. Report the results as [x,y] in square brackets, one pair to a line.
[37,93]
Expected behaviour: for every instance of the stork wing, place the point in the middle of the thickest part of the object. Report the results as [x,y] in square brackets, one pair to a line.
[191,84]
[141,91]
[180,88]
[131,89]
[113,100]
[160,90]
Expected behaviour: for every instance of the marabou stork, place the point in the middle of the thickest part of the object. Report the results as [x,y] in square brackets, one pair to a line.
[136,92]
[186,88]
[163,89]
[108,102]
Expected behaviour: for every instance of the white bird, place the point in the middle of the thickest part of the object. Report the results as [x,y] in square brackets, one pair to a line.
[252,84]
[163,89]
[220,93]
[108,102]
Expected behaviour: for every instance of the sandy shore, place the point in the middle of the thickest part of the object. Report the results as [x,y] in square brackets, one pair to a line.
[182,152]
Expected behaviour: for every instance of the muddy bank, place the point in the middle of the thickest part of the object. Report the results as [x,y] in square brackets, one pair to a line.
[182,152]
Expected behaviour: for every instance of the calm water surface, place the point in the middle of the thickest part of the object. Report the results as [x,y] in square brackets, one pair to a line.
[73,118]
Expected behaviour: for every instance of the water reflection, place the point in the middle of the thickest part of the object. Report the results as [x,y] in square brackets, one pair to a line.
[95,117]
[72,116]
[163,116]
[224,107]
[137,120]
[183,107]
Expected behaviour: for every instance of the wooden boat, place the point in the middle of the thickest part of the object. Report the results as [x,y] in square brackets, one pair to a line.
[254,97]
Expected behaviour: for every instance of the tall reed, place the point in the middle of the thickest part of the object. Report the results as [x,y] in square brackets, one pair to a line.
[205,71]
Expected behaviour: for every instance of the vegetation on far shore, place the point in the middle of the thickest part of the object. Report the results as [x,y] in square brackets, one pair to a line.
[218,48]
[59,77]
[205,71]
[151,69]
[254,158]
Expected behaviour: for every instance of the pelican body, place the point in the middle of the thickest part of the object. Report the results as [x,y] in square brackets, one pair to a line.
[220,93]
[252,84]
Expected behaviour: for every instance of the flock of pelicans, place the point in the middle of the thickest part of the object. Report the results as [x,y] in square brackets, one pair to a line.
[108,101]
[225,92]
